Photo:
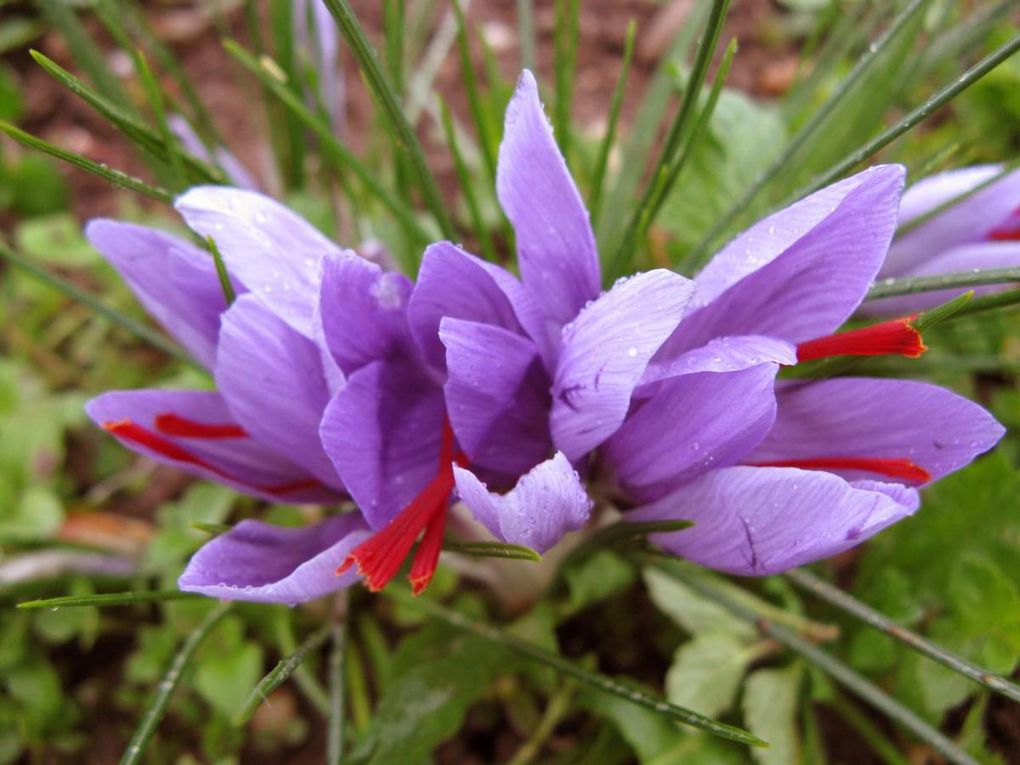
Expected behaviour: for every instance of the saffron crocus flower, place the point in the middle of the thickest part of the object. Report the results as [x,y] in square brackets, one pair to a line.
[981,231]
[236,173]
[843,458]
[318,50]
[630,384]
[258,431]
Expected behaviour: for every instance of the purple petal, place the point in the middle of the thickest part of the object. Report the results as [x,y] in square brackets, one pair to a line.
[237,460]
[174,280]
[272,249]
[555,244]
[363,312]
[968,222]
[605,353]
[456,284]
[274,564]
[807,278]
[273,382]
[692,423]
[497,396]
[383,432]
[872,418]
[546,503]
[723,354]
[758,521]
[322,47]
[970,257]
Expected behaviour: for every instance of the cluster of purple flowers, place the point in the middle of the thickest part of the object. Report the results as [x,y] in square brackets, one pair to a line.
[337,379]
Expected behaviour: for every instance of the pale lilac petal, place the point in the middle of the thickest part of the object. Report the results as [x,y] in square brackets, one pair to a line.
[723,354]
[555,244]
[546,503]
[454,283]
[174,280]
[363,311]
[692,423]
[270,248]
[236,172]
[497,396]
[273,382]
[814,284]
[383,432]
[757,521]
[259,562]
[969,221]
[605,353]
[891,419]
[969,257]
[242,462]
[322,47]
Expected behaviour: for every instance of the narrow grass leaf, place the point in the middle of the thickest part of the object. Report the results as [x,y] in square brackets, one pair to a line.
[109,599]
[609,139]
[836,669]
[384,95]
[479,114]
[221,271]
[567,31]
[677,134]
[526,32]
[156,102]
[333,149]
[467,185]
[279,674]
[161,698]
[134,327]
[493,550]
[572,670]
[337,714]
[844,601]
[116,177]
[910,285]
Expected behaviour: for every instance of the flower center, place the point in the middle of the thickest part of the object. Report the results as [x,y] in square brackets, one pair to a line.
[895,337]
[899,468]
[175,425]
[380,556]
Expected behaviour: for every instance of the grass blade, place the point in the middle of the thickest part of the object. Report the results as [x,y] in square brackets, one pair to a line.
[84,49]
[279,674]
[493,550]
[157,706]
[677,133]
[526,31]
[110,599]
[387,99]
[335,732]
[333,149]
[116,177]
[837,670]
[467,187]
[139,134]
[567,31]
[845,602]
[817,120]
[134,327]
[155,95]
[570,669]
[910,285]
[221,271]
[479,114]
[609,139]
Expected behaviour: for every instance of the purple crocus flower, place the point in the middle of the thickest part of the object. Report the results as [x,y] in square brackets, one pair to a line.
[982,231]
[669,396]
[318,43]
[258,431]
[237,174]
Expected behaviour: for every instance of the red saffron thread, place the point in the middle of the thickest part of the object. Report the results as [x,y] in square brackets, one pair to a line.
[900,468]
[897,337]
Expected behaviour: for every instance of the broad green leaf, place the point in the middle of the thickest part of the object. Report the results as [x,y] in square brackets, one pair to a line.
[692,611]
[225,679]
[55,239]
[770,712]
[597,577]
[706,673]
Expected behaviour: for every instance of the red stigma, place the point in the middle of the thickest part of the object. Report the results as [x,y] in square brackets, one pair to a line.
[897,337]
[1005,234]
[380,557]
[174,425]
[131,431]
[899,468]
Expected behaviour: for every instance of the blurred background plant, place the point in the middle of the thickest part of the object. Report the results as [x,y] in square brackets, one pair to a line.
[676,145]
